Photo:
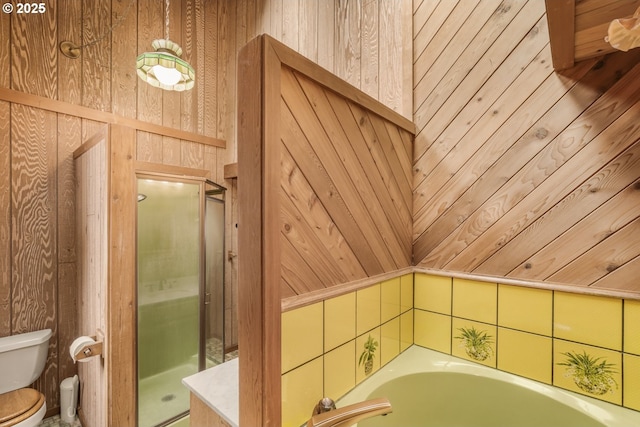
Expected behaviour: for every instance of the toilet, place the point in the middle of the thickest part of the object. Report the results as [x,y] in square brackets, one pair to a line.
[22,359]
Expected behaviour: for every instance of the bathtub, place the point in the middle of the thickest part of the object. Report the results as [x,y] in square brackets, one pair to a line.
[428,388]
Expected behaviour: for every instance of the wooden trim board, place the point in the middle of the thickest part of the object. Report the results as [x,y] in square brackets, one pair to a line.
[56,106]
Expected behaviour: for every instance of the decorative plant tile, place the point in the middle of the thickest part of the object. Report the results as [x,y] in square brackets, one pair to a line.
[477,344]
[593,375]
[368,354]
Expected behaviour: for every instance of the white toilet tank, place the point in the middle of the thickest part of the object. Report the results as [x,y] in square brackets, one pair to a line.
[22,359]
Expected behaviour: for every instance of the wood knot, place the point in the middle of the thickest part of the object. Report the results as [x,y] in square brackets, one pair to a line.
[287,227]
[612,267]
[541,133]
[528,266]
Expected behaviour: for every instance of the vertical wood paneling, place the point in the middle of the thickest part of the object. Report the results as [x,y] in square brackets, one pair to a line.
[326,34]
[34,53]
[5,219]
[516,169]
[96,56]
[347,41]
[33,234]
[226,73]
[188,104]
[391,53]
[123,76]
[289,25]
[210,43]
[69,28]
[69,131]
[308,39]
[150,26]
[5,50]
[371,45]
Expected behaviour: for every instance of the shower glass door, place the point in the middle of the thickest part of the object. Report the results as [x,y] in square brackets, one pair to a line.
[169,269]
[214,306]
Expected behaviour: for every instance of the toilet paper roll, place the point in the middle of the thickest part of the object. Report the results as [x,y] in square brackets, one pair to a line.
[77,345]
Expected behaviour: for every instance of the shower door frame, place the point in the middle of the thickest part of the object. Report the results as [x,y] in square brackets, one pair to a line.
[159,172]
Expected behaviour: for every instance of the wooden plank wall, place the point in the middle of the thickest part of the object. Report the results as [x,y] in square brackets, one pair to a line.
[357,40]
[346,189]
[37,194]
[520,171]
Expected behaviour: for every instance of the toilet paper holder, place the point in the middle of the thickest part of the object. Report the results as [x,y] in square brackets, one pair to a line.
[89,349]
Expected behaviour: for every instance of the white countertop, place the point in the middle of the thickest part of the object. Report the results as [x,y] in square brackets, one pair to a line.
[217,387]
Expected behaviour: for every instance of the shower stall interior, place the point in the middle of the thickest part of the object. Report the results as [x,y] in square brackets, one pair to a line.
[180,290]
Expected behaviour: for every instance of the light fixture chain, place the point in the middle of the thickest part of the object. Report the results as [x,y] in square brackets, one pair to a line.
[166,20]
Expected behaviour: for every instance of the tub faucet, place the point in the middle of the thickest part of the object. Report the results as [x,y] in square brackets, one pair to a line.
[351,414]
[325,404]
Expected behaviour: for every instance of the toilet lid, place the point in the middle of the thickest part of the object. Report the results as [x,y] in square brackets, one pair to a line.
[18,405]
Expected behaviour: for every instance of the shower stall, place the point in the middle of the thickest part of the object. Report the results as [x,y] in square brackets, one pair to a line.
[180,290]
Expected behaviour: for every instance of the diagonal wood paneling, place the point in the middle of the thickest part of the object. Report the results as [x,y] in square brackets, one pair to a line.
[520,171]
[346,188]
[324,200]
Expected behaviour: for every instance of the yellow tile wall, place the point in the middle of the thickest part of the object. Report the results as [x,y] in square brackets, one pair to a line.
[632,327]
[432,330]
[339,320]
[525,309]
[588,319]
[322,343]
[525,354]
[632,381]
[475,300]
[340,370]
[389,299]
[389,340]
[367,309]
[300,340]
[432,293]
[534,330]
[300,390]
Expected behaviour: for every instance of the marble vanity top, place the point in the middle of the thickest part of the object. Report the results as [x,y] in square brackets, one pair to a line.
[217,387]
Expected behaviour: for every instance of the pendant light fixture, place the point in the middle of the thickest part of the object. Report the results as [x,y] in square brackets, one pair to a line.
[163,67]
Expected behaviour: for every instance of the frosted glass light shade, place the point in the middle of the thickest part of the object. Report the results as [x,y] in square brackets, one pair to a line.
[164,68]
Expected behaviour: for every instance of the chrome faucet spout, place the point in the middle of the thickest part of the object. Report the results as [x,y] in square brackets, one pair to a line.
[351,414]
